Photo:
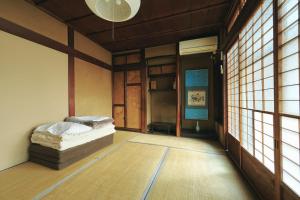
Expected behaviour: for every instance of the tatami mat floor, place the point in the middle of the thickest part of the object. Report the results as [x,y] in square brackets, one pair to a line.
[136,166]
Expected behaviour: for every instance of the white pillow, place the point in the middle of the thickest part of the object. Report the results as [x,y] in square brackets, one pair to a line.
[87,118]
[63,128]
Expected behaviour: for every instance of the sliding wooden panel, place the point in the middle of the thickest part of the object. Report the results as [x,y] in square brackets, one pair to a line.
[127,106]
[119,116]
[289,93]
[133,114]
[119,99]
[133,76]
[118,90]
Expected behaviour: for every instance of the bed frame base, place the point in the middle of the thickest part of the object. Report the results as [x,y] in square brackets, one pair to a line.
[55,159]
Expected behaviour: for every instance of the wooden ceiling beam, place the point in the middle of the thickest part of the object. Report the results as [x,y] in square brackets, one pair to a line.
[39,2]
[168,39]
[159,34]
[79,18]
[217,5]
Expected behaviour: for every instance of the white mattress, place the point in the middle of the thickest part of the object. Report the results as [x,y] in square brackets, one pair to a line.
[76,140]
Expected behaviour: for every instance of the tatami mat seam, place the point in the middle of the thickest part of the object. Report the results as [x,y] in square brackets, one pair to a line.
[221,153]
[78,171]
[155,174]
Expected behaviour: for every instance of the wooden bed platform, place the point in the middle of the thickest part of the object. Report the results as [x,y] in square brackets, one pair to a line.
[60,159]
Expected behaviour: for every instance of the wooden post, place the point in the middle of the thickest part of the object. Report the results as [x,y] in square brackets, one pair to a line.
[225,104]
[277,139]
[144,76]
[178,87]
[71,73]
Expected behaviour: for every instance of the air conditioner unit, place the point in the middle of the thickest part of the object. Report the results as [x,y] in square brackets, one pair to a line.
[201,45]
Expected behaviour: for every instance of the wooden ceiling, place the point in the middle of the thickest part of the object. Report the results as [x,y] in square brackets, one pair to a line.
[157,22]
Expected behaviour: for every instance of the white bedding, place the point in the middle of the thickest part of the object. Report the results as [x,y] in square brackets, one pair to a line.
[62,130]
[66,141]
[87,118]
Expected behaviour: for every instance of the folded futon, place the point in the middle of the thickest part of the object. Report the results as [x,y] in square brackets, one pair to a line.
[57,145]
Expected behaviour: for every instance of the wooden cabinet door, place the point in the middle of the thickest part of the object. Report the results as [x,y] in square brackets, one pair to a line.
[118,91]
[119,116]
[127,99]
[119,99]
[133,99]
[133,114]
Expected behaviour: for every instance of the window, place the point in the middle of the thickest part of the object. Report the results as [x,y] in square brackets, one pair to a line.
[233,91]
[257,83]
[290,153]
[264,139]
[288,56]
[255,110]
[289,104]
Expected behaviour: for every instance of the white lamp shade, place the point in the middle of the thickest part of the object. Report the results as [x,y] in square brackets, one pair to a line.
[114,10]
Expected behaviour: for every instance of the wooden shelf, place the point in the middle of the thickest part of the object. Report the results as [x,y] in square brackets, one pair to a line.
[163,56]
[161,64]
[163,90]
[162,127]
[162,75]
[129,65]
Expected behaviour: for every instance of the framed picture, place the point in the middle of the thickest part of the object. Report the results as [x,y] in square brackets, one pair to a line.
[196,98]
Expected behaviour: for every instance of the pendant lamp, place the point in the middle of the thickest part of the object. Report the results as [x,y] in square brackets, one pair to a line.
[114,10]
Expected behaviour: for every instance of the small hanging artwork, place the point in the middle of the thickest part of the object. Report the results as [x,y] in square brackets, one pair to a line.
[196,97]
[196,94]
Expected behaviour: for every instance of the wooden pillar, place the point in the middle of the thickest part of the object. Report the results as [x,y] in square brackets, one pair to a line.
[178,88]
[144,76]
[71,72]
[225,101]
[277,139]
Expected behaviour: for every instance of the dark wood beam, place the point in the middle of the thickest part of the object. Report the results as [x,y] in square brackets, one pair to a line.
[233,7]
[157,41]
[159,34]
[79,17]
[157,19]
[38,2]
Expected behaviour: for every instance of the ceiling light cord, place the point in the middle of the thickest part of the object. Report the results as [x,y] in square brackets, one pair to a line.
[113,24]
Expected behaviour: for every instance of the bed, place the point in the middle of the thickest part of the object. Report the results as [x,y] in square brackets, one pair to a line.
[58,145]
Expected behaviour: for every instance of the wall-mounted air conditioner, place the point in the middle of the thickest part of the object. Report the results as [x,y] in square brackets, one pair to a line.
[201,45]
